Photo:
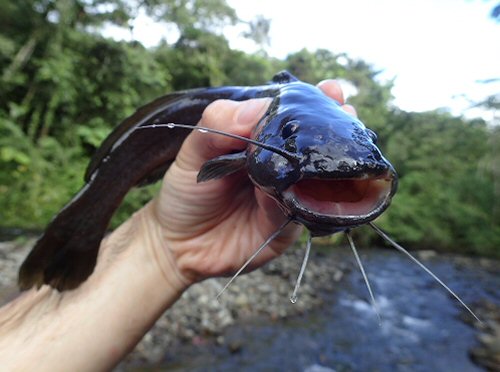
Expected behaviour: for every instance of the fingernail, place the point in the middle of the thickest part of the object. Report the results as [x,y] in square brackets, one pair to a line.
[333,89]
[350,110]
[251,111]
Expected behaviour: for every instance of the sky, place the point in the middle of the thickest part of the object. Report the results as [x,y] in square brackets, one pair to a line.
[436,51]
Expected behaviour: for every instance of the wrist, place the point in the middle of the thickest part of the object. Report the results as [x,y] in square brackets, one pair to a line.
[157,248]
[95,325]
[132,287]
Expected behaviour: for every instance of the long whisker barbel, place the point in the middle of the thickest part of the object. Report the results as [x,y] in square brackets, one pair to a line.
[293,297]
[365,277]
[287,155]
[255,254]
[422,266]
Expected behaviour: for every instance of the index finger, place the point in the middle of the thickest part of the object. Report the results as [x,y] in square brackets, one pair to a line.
[332,89]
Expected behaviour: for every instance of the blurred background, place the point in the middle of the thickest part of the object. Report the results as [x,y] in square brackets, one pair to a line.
[424,75]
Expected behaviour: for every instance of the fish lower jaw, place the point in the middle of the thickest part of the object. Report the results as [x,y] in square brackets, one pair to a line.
[349,199]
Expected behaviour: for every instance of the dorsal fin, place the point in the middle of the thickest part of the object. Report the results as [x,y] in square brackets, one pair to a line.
[284,77]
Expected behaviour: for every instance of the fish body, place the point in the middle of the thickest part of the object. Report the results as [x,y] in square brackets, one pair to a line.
[335,177]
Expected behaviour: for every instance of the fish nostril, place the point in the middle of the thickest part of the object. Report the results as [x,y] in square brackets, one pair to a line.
[289,129]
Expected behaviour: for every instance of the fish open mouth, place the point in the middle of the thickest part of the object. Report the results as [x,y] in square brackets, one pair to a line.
[351,199]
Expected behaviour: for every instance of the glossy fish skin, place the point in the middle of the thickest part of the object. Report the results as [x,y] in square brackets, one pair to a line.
[330,145]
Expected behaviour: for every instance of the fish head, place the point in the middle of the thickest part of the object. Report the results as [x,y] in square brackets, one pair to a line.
[336,177]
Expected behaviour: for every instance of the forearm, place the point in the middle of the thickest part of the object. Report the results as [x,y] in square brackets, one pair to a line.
[94,326]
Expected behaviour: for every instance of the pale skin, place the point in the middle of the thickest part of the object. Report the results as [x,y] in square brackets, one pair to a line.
[188,233]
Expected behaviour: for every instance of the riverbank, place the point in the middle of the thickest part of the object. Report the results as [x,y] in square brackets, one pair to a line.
[201,322]
[199,315]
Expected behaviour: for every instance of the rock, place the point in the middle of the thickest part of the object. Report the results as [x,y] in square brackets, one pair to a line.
[487,354]
[235,346]
[12,255]
[426,254]
[318,368]
[339,274]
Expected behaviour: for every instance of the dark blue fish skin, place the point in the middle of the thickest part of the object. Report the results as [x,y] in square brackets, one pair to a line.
[301,120]
[330,143]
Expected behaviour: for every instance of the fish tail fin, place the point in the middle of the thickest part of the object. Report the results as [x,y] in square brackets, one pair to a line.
[66,254]
[59,267]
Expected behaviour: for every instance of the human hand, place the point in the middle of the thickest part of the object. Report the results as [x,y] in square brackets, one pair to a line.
[211,228]
[189,232]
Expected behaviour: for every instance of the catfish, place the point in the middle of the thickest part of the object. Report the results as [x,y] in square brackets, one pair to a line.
[320,164]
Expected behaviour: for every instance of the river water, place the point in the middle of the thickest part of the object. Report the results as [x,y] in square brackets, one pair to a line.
[421,326]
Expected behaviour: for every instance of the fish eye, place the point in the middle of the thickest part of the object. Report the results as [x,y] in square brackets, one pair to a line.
[372,135]
[289,128]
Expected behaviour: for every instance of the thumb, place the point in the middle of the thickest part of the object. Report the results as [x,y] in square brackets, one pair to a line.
[228,116]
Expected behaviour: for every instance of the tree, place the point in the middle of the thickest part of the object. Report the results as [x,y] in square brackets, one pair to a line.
[446,196]
[63,87]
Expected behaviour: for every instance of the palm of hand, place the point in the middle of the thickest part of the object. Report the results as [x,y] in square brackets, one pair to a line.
[213,227]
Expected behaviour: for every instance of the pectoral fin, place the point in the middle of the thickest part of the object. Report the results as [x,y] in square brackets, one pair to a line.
[222,166]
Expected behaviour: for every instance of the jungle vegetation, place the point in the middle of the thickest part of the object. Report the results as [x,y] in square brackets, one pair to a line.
[63,87]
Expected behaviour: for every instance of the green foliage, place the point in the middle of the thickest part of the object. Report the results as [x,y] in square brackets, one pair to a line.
[36,180]
[372,98]
[314,67]
[63,87]
[446,197]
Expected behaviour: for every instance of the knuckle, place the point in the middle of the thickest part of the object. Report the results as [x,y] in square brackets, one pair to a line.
[218,112]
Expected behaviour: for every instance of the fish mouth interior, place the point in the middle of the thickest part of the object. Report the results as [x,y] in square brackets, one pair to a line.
[349,198]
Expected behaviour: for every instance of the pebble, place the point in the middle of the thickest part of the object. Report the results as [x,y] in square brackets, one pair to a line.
[487,353]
